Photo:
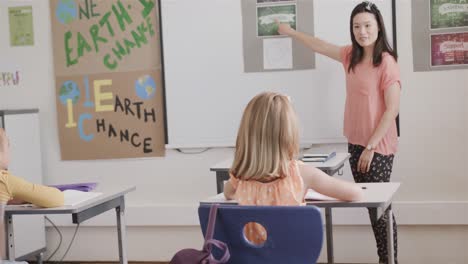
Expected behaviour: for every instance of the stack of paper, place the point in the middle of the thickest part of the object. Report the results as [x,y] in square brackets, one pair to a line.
[73,197]
[310,157]
[312,195]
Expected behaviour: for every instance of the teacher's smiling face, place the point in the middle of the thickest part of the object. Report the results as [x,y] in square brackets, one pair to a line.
[365,29]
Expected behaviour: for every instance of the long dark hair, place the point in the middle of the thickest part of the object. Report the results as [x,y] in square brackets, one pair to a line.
[381,44]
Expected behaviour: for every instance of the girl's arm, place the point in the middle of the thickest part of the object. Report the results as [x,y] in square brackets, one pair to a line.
[392,105]
[330,186]
[330,50]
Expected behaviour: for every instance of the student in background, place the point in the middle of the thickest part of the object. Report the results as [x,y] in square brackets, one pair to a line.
[372,101]
[12,187]
[266,171]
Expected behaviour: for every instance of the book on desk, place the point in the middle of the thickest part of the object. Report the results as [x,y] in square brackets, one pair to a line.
[312,157]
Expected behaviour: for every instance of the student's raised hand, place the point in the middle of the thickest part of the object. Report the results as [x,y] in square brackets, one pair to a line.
[365,160]
[284,28]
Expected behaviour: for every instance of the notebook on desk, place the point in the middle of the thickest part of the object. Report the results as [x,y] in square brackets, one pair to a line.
[81,186]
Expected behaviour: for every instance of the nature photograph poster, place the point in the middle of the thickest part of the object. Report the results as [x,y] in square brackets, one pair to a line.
[267,15]
[108,78]
[448,13]
[449,49]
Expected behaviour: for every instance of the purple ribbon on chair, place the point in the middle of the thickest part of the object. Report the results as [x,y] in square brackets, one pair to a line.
[209,241]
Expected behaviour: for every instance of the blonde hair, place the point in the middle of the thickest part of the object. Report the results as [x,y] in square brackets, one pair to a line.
[268,138]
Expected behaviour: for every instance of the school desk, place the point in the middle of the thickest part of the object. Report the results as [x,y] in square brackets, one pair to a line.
[80,212]
[377,196]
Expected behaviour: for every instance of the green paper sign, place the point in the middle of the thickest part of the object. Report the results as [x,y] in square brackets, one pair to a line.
[21,26]
[449,13]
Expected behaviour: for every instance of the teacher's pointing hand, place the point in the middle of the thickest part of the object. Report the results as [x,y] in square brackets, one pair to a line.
[284,28]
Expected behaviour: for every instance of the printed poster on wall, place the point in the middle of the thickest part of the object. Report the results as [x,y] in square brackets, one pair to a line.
[449,49]
[449,13]
[264,49]
[21,26]
[108,78]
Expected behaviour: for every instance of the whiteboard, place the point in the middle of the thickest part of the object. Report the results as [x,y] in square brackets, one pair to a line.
[206,88]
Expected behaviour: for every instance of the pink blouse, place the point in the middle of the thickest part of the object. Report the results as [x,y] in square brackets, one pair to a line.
[365,101]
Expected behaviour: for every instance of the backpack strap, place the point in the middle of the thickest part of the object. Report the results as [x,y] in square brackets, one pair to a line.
[211,222]
[223,247]
[209,241]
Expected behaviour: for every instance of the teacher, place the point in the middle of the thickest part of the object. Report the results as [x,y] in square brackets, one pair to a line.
[372,101]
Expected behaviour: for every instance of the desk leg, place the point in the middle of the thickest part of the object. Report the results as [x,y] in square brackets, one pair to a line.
[221,176]
[39,258]
[121,233]
[10,238]
[329,228]
[390,250]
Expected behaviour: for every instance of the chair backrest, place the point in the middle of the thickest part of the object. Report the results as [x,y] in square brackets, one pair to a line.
[294,233]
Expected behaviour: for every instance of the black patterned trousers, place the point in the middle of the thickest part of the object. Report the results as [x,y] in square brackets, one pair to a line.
[380,170]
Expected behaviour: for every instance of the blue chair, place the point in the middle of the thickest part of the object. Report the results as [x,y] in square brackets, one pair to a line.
[294,233]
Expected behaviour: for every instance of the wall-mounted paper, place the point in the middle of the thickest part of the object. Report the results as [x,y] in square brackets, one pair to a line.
[267,16]
[449,13]
[277,53]
[21,26]
[449,49]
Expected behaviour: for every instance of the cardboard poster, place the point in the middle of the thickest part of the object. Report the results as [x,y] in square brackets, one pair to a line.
[109,84]
[21,26]
[449,13]
[449,49]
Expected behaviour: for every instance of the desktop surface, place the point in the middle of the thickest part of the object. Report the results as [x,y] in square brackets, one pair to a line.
[374,195]
[68,209]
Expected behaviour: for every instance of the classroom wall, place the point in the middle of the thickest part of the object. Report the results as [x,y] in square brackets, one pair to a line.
[431,206]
